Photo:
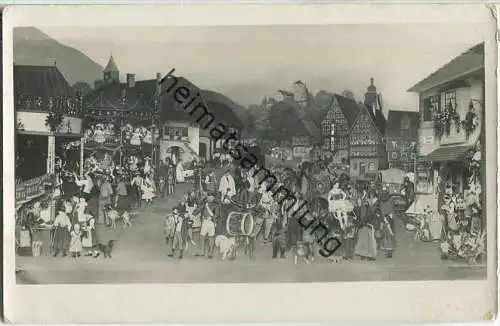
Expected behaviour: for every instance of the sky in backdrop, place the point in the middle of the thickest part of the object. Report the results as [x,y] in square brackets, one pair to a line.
[247,63]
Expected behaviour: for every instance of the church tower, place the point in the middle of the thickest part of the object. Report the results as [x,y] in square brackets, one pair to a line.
[372,98]
[111,74]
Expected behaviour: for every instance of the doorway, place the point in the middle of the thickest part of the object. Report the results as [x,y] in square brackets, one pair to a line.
[203,150]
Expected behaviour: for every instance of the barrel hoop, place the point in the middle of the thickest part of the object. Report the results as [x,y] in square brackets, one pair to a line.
[228,229]
[250,231]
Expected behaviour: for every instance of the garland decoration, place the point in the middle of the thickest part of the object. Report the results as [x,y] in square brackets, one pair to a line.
[443,121]
[54,120]
[470,123]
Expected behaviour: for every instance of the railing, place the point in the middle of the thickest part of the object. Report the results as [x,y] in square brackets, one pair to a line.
[68,105]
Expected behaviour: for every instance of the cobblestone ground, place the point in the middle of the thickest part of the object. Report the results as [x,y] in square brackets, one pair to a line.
[141,257]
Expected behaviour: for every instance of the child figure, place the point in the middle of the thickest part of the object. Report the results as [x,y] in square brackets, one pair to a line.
[75,245]
[90,237]
[349,237]
[80,211]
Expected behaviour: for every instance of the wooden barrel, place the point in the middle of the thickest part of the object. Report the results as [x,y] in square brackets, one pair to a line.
[239,223]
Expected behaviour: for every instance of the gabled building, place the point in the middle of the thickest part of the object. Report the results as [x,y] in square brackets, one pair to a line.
[338,119]
[367,152]
[451,102]
[149,102]
[401,138]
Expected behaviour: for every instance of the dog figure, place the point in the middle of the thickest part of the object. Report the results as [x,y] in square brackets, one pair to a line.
[105,249]
[226,246]
[113,216]
[126,219]
[301,250]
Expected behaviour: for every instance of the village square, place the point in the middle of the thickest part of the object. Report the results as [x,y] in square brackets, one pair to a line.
[164,180]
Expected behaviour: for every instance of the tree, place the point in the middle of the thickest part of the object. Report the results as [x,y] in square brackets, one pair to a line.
[249,122]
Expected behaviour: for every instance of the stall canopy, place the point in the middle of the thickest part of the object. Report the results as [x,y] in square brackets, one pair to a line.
[448,153]
[421,203]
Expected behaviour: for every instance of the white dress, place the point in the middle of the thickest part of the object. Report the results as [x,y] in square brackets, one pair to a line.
[179,173]
[148,190]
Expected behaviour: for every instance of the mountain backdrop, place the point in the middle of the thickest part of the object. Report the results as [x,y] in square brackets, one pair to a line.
[33,47]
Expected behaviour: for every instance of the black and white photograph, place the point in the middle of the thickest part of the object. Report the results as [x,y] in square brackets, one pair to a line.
[250,153]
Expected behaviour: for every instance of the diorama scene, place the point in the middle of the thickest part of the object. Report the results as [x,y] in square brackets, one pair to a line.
[189,155]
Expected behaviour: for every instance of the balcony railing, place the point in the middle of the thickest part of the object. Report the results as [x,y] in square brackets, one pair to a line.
[68,105]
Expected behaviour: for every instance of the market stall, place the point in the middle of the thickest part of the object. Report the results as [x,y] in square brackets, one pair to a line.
[456,220]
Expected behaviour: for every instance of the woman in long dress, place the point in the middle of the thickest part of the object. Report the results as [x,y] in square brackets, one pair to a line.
[62,226]
[366,246]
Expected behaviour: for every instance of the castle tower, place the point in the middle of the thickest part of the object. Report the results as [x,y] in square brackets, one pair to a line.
[111,72]
[300,93]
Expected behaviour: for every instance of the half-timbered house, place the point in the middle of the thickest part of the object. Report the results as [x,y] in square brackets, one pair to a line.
[367,152]
[336,123]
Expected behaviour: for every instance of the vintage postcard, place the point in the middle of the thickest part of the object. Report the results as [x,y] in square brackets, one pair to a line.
[232,163]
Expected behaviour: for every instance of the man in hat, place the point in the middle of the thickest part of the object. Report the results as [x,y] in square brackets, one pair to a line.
[209,214]
[211,183]
[227,190]
[180,232]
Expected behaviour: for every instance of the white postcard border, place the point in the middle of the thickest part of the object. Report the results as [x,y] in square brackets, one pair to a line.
[316,302]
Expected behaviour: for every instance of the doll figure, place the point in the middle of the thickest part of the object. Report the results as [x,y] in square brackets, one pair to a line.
[148,137]
[136,137]
[99,134]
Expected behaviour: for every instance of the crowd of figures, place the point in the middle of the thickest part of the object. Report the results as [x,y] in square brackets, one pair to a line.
[361,217]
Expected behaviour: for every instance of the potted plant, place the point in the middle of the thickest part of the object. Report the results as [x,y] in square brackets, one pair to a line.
[54,120]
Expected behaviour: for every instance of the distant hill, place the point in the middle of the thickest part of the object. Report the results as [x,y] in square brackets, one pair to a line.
[33,47]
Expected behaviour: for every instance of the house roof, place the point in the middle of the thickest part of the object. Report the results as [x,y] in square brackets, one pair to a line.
[349,108]
[141,97]
[394,119]
[40,81]
[379,119]
[448,153]
[370,114]
[312,129]
[470,61]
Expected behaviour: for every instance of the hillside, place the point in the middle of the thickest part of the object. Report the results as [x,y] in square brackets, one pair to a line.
[33,47]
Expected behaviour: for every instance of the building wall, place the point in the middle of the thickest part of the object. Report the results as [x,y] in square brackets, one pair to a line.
[190,144]
[341,132]
[35,122]
[371,166]
[428,142]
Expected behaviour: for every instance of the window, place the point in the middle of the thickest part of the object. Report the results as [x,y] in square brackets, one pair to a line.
[394,155]
[431,104]
[405,123]
[355,166]
[175,132]
[371,166]
[450,97]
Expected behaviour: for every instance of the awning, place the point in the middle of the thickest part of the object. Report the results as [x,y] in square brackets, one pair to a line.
[449,153]
[421,203]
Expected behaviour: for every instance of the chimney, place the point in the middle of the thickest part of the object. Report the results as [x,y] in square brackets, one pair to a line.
[158,86]
[130,80]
